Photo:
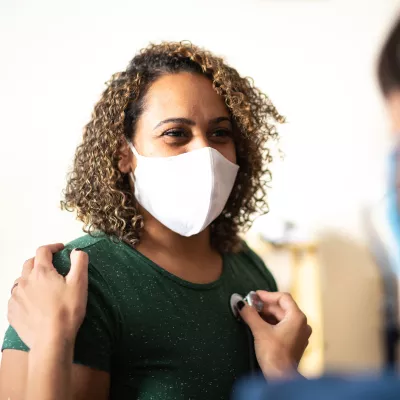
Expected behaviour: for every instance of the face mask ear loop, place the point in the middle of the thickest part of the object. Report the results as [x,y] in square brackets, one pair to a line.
[132,147]
[136,154]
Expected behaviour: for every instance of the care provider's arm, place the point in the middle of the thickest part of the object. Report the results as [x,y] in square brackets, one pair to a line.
[47,310]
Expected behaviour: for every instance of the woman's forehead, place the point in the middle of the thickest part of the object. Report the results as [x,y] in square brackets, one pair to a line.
[184,94]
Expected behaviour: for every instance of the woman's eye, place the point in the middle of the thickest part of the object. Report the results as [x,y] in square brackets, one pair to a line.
[175,133]
[221,133]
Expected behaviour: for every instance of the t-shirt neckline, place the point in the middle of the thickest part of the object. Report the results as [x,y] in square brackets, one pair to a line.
[183,282]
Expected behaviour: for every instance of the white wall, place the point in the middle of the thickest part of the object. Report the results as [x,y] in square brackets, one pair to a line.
[314,58]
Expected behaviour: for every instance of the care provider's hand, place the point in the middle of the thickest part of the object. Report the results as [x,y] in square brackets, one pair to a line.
[43,302]
[280,343]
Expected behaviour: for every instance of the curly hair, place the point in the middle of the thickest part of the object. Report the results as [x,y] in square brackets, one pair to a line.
[102,196]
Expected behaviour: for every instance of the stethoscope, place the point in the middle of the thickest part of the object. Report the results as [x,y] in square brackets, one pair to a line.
[253,300]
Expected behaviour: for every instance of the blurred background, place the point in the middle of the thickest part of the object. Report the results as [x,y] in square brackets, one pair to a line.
[316,59]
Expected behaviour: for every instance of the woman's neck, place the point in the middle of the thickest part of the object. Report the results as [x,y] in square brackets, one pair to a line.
[161,239]
[189,258]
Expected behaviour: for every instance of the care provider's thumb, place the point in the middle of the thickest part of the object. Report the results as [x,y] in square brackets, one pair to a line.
[78,274]
[251,317]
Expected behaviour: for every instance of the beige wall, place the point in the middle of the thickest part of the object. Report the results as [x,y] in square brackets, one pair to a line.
[351,305]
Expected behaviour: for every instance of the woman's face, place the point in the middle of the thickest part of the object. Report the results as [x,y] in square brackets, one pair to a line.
[182,112]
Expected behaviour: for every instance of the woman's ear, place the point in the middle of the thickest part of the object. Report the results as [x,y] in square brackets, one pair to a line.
[125,158]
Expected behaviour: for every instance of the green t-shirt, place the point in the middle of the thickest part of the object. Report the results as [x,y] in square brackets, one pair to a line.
[160,337]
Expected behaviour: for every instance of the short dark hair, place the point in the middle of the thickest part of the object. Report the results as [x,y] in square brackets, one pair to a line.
[389,62]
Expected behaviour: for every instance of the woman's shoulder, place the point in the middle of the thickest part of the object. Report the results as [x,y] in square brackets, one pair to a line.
[246,254]
[103,251]
[87,241]
[252,263]
[90,244]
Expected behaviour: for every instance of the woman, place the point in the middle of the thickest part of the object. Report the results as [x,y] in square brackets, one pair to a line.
[170,169]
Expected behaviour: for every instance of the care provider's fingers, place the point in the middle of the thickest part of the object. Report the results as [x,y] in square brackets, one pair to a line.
[27,268]
[44,255]
[251,317]
[272,313]
[18,293]
[78,274]
[279,299]
[11,310]
[15,284]
[308,331]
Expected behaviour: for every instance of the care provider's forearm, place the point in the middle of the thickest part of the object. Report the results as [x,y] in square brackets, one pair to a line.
[50,369]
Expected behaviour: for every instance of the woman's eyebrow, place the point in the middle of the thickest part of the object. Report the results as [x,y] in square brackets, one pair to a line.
[177,121]
[219,119]
[191,122]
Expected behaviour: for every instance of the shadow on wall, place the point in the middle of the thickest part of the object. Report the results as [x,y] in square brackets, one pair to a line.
[352,305]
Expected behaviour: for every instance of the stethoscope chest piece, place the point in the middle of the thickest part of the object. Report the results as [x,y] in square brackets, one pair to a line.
[252,299]
[235,298]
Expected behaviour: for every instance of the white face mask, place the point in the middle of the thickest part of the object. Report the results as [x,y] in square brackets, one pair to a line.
[185,192]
